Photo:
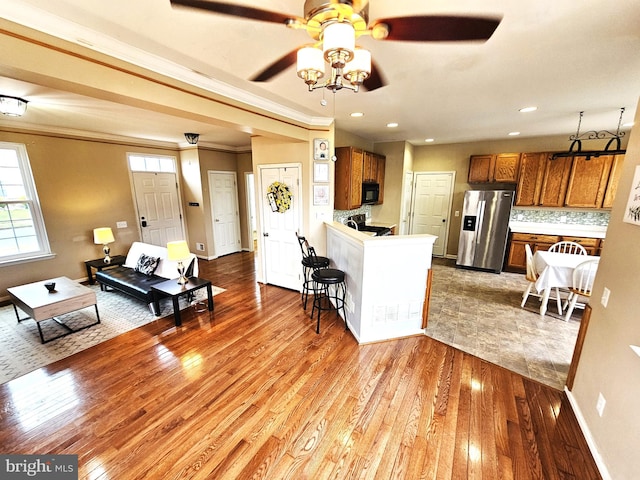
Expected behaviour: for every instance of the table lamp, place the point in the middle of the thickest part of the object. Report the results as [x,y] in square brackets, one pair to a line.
[178,251]
[104,236]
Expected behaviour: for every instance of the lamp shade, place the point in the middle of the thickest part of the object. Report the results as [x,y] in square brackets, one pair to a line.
[178,250]
[338,43]
[103,235]
[359,68]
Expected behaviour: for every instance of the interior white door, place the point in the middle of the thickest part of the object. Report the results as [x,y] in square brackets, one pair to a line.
[158,207]
[281,252]
[431,205]
[225,214]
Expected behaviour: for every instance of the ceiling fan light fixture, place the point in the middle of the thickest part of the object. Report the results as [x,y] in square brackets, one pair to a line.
[310,65]
[192,138]
[12,106]
[338,43]
[359,68]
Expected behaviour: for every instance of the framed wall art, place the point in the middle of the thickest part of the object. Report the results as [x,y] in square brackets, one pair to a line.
[320,172]
[321,149]
[321,194]
[632,212]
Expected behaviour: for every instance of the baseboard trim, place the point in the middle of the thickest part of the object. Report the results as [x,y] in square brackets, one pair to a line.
[602,468]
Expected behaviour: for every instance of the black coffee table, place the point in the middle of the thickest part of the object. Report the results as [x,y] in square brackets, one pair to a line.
[171,288]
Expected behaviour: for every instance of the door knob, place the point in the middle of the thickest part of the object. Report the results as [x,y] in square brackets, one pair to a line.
[265,234]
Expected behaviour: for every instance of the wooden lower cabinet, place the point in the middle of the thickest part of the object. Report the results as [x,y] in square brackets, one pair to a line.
[517,258]
[591,245]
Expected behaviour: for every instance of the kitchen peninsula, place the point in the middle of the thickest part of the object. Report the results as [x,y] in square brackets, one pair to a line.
[386,281]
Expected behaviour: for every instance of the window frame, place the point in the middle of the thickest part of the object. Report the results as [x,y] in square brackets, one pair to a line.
[33,201]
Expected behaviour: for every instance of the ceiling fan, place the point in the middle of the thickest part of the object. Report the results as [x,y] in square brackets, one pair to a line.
[334,25]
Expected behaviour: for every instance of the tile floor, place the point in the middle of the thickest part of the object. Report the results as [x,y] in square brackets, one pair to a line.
[479,313]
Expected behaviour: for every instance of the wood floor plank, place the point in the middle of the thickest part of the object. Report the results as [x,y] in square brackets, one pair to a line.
[251,391]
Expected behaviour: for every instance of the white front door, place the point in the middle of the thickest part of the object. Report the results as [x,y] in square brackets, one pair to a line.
[281,251]
[431,205]
[225,213]
[158,207]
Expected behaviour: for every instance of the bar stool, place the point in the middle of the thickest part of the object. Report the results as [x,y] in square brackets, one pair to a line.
[308,265]
[323,278]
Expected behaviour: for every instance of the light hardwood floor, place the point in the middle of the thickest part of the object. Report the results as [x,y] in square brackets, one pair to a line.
[253,392]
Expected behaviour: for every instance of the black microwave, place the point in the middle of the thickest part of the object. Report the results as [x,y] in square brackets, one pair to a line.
[370,192]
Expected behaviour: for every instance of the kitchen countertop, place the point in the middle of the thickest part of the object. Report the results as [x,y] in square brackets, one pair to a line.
[592,231]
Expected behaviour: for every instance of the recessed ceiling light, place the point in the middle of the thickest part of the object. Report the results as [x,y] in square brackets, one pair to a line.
[628,124]
[528,109]
[357,114]
[392,125]
[513,134]
[429,140]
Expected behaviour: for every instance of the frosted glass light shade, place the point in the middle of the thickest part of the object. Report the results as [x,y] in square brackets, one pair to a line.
[310,64]
[338,43]
[102,235]
[12,106]
[359,68]
[178,250]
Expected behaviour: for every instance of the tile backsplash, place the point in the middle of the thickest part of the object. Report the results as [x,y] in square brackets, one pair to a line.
[600,218]
[342,215]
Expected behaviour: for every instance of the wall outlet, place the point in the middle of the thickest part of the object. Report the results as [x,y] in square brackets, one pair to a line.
[200,247]
[605,297]
[600,404]
[121,224]
[520,217]
[563,219]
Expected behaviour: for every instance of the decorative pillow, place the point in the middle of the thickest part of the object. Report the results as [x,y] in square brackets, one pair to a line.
[147,264]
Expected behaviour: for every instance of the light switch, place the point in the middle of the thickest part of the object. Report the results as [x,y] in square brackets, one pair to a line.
[121,224]
[605,297]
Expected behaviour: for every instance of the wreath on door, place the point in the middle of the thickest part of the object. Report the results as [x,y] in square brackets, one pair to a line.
[279,197]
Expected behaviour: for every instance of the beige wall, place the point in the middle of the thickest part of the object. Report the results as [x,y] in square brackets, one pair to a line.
[82,184]
[608,365]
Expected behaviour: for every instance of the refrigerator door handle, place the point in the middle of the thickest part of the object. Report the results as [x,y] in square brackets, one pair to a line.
[481,206]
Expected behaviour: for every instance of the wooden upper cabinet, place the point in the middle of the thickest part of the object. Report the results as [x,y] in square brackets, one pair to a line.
[588,181]
[612,184]
[506,168]
[370,167]
[348,178]
[555,182]
[500,168]
[530,178]
[481,168]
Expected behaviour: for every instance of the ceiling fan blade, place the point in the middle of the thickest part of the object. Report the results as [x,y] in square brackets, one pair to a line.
[374,80]
[439,28]
[276,67]
[238,11]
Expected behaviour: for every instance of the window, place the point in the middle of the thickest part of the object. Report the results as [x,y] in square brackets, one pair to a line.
[22,231]
[151,163]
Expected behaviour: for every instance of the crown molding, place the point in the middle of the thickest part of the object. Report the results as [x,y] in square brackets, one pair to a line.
[43,21]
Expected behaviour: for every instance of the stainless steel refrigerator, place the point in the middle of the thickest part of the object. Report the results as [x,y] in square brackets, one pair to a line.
[485,227]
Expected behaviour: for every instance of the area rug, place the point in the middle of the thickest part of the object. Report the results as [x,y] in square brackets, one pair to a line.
[22,352]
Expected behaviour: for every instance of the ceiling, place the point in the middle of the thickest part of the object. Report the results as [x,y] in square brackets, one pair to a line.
[562,56]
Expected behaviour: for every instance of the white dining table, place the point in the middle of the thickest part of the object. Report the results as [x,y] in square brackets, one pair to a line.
[555,270]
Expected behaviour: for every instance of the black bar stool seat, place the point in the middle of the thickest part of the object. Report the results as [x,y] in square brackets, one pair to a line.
[323,278]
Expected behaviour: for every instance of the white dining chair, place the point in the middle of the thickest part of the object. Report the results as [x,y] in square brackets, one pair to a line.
[583,277]
[532,276]
[568,247]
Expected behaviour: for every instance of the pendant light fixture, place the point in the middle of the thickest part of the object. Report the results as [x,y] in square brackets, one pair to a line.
[575,150]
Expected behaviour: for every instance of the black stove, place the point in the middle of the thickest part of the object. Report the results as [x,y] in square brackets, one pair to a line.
[358,222]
